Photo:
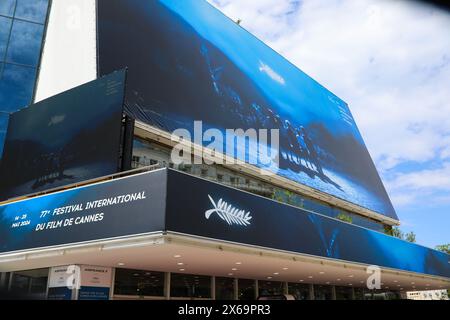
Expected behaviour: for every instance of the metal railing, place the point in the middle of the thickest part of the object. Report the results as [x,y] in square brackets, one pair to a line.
[85,183]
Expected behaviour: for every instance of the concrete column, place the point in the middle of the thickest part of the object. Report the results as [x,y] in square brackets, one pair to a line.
[333,292]
[286,288]
[11,276]
[113,282]
[48,283]
[213,288]
[167,285]
[30,285]
[353,294]
[3,280]
[236,289]
[311,292]
[256,289]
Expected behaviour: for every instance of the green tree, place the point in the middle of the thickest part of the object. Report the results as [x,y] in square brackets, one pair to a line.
[344,217]
[396,232]
[410,237]
[444,248]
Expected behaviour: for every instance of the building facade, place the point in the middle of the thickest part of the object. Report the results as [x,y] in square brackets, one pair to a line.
[160,230]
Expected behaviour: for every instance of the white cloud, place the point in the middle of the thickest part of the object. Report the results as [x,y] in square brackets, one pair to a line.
[389,59]
[271,73]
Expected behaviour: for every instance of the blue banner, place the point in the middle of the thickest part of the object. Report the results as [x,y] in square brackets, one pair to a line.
[122,207]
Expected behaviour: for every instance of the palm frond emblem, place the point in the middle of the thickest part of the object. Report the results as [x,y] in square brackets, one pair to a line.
[228,213]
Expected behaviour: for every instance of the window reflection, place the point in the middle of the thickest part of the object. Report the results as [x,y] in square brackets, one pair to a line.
[31,284]
[32,10]
[139,283]
[5,26]
[300,291]
[16,87]
[270,288]
[190,286]
[246,289]
[25,43]
[7,7]
[224,288]
[322,292]
[343,293]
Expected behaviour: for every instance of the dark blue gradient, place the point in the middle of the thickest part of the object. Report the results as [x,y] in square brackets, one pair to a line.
[188,62]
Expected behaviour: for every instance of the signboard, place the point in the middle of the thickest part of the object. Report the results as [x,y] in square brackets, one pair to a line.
[107,210]
[71,137]
[90,282]
[59,282]
[188,62]
[95,283]
[214,211]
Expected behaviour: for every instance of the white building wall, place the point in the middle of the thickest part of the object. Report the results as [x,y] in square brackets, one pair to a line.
[69,55]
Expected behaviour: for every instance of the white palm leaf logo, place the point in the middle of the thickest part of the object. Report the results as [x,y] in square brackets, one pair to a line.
[228,213]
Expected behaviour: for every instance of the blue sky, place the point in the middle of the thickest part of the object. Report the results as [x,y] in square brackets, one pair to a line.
[390,61]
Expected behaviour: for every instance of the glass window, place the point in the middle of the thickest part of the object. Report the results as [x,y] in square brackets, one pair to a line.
[270,288]
[360,293]
[343,293]
[300,291]
[3,127]
[30,284]
[322,292]
[190,286]
[16,87]
[32,10]
[246,289]
[224,288]
[139,283]
[7,7]
[320,208]
[25,43]
[5,26]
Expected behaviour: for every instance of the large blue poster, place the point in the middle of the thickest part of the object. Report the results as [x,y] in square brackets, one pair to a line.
[189,62]
[211,210]
[71,137]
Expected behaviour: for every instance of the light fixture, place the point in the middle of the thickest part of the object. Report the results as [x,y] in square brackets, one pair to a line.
[276,273]
[395,281]
[285,268]
[350,276]
[121,264]
[234,269]
[350,284]
[177,256]
[230,274]
[310,277]
[182,270]
[321,272]
[301,280]
[238,263]
[180,263]
[269,278]
[338,279]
